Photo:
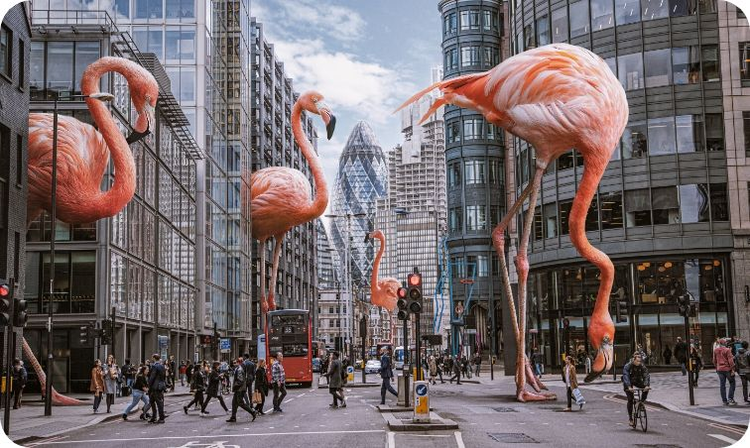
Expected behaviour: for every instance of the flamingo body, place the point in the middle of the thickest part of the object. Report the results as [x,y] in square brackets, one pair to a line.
[383,291]
[279,196]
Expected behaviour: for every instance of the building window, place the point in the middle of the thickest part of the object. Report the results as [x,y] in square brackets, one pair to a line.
[455,222]
[637,208]
[658,67]
[469,20]
[496,173]
[661,138]
[473,129]
[560,25]
[679,8]
[528,37]
[450,24]
[19,160]
[6,51]
[122,9]
[579,18]
[454,174]
[476,217]
[451,59]
[491,57]
[542,30]
[564,211]
[635,141]
[654,9]
[550,220]
[148,9]
[565,161]
[719,202]
[180,9]
[483,269]
[627,11]
[707,6]
[474,172]
[492,133]
[490,22]
[453,132]
[592,216]
[710,62]
[746,130]
[694,203]
[714,132]
[630,71]
[21,64]
[745,63]
[602,15]
[180,45]
[611,209]
[470,56]
[686,67]
[689,133]
[666,207]
[538,224]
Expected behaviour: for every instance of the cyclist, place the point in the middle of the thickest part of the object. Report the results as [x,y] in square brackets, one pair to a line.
[635,374]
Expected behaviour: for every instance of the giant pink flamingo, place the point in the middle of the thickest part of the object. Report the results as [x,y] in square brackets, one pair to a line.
[83,154]
[383,291]
[555,97]
[281,197]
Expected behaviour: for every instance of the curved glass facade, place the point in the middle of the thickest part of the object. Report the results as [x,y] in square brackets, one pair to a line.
[661,211]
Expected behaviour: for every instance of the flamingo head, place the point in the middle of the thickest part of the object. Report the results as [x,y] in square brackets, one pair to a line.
[377,234]
[143,92]
[312,102]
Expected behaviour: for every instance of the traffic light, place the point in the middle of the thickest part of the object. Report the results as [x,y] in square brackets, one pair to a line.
[6,295]
[19,313]
[683,305]
[415,292]
[84,335]
[621,311]
[403,312]
[106,337]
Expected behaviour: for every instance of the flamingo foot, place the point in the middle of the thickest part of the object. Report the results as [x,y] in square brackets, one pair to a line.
[603,360]
[271,302]
[263,305]
[62,400]
[525,396]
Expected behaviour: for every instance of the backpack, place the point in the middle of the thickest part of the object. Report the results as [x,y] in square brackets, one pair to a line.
[741,361]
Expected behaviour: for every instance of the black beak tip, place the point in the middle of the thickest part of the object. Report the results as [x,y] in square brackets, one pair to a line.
[331,126]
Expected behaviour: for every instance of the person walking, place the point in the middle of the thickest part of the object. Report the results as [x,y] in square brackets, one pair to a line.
[128,373]
[198,385]
[248,367]
[432,365]
[278,378]
[538,360]
[667,354]
[157,385]
[335,381]
[261,386]
[111,377]
[571,380]
[477,363]
[440,367]
[172,366]
[724,362]
[386,373]
[214,389]
[696,364]
[456,371]
[681,354]
[189,374]
[20,376]
[97,384]
[742,361]
[139,387]
[239,391]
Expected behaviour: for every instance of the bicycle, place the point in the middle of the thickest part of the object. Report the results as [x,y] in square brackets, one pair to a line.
[639,411]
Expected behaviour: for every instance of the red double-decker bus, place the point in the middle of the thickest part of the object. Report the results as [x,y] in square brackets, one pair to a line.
[290,332]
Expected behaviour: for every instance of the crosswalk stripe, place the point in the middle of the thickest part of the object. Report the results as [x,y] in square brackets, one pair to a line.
[723,438]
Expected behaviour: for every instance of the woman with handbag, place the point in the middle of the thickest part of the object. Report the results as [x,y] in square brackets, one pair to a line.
[111,377]
[261,387]
[97,383]
[571,383]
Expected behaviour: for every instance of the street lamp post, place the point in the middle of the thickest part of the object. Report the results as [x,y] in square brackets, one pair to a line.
[53,237]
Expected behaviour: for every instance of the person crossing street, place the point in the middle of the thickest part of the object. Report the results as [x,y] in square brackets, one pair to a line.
[386,373]
[239,389]
[278,377]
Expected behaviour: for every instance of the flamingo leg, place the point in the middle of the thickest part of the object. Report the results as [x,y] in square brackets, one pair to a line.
[274,272]
[57,398]
[263,302]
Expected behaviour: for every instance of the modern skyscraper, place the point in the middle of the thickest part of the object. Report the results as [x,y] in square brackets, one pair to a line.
[672,208]
[475,162]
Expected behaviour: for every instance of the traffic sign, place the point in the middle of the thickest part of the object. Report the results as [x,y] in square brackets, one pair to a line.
[225,345]
[421,402]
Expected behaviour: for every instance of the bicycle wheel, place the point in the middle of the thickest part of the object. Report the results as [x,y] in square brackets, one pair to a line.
[642,416]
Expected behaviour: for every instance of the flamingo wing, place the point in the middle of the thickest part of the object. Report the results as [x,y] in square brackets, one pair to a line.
[279,197]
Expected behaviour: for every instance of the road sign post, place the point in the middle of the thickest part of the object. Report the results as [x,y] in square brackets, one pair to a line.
[421,402]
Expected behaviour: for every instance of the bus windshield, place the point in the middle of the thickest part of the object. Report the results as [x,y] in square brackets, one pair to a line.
[288,319]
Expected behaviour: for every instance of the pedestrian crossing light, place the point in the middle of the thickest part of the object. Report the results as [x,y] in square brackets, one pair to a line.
[19,313]
[401,303]
[415,292]
[6,295]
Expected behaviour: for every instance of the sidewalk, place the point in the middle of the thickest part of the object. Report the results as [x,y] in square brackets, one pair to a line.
[29,422]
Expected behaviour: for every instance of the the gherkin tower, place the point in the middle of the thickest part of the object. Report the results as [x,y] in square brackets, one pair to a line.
[362,178]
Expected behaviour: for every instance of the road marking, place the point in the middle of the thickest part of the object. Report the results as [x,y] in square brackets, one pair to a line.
[723,438]
[428,435]
[740,432]
[390,440]
[459,439]
[219,436]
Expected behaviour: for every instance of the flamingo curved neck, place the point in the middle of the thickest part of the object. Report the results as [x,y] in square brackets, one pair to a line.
[376,264]
[320,202]
[112,201]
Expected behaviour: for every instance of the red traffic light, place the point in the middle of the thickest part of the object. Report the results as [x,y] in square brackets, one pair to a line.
[415,279]
[4,290]
[401,293]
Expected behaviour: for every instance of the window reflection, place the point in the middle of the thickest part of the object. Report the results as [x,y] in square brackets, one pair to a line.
[627,11]
[637,208]
[635,141]
[542,30]
[654,9]
[579,18]
[686,65]
[714,132]
[611,210]
[560,25]
[658,67]
[630,71]
[602,15]
[550,220]
[689,133]
[666,207]
[565,207]
[661,137]
[710,62]
[694,203]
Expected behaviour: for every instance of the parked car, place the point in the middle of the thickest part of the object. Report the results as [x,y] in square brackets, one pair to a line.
[372,366]
[316,364]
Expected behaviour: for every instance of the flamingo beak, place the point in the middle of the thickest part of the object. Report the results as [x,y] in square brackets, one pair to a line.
[146,115]
[328,118]
[603,360]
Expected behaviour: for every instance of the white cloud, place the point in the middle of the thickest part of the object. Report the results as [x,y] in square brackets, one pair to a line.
[338,22]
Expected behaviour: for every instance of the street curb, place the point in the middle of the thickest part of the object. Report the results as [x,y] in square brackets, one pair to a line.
[351,385]
[384,408]
[395,424]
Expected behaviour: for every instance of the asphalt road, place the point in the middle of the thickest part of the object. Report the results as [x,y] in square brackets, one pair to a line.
[486,413]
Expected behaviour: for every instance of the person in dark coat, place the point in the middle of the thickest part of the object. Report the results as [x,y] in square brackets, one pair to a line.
[697,365]
[239,391]
[261,385]
[635,374]
[248,368]
[386,373]
[214,383]
[20,376]
[198,384]
[456,371]
[335,382]
[667,353]
[681,354]
[157,385]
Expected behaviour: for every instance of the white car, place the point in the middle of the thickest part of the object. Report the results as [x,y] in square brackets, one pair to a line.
[372,366]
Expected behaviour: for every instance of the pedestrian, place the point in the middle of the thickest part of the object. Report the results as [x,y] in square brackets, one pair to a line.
[456,371]
[667,354]
[261,386]
[239,391]
[278,379]
[635,374]
[248,367]
[725,368]
[335,381]
[111,377]
[681,354]
[386,374]
[214,389]
[189,374]
[183,372]
[742,361]
[432,364]
[97,384]
[157,385]
[571,381]
[139,387]
[440,367]
[20,376]
[128,373]
[477,364]
[198,385]
[172,373]
[538,360]
[325,365]
[696,364]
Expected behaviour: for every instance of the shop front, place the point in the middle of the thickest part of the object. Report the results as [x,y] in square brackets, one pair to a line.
[561,300]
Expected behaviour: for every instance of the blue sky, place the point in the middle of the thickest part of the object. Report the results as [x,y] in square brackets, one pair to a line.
[366,57]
